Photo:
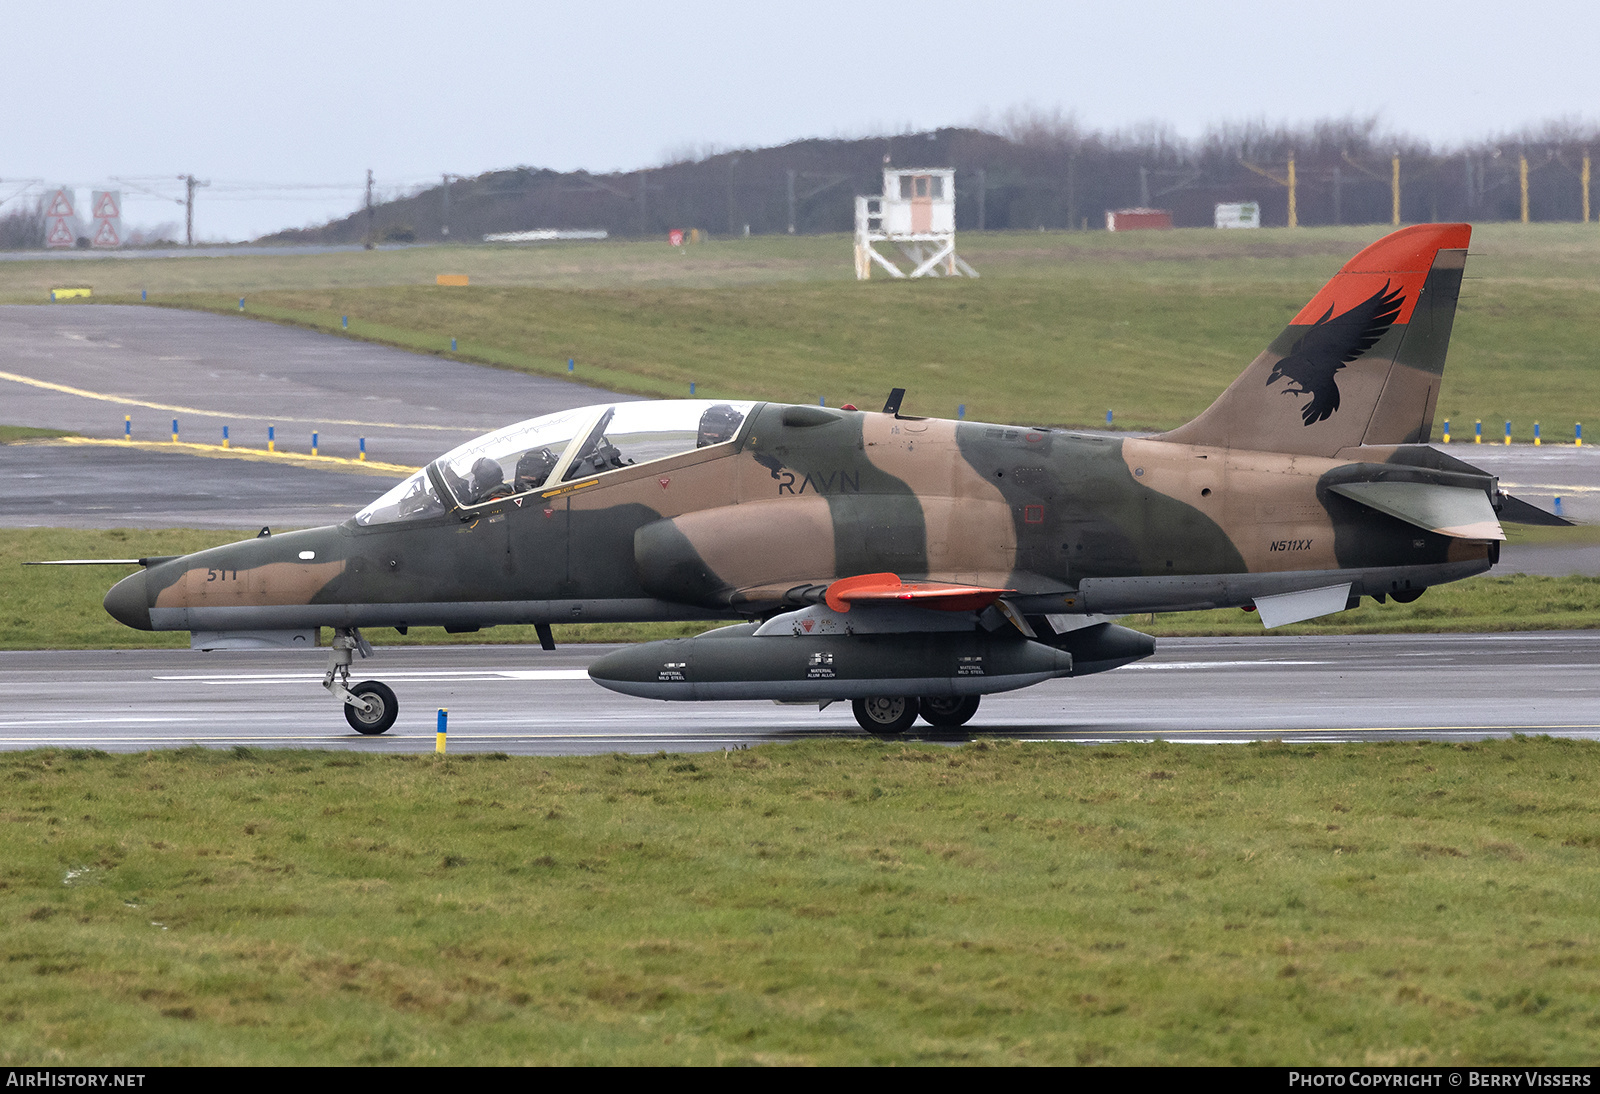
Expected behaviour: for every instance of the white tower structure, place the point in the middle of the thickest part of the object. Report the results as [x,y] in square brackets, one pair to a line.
[917,213]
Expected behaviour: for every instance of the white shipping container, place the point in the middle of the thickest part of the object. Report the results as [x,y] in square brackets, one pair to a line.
[1240,214]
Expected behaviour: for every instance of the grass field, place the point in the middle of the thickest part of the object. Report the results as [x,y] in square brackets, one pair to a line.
[59,607]
[1061,327]
[830,903]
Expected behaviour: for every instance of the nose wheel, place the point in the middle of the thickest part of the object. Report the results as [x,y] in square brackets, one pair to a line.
[381,708]
[369,707]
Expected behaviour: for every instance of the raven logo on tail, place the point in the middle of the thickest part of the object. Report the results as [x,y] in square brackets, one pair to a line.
[1331,344]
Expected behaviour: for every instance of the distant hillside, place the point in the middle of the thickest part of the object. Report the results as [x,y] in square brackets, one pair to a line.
[1042,174]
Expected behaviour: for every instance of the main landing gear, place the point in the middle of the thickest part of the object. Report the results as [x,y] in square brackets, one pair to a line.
[369,707]
[895,714]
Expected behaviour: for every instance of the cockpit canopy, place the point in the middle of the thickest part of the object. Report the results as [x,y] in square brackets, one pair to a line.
[541,453]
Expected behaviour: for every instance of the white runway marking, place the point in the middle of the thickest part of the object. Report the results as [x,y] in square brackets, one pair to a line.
[1148,667]
[416,674]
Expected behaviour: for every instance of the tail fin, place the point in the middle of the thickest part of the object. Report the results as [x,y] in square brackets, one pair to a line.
[1360,364]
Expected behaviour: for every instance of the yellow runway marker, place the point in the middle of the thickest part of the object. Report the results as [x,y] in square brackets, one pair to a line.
[217,451]
[83,393]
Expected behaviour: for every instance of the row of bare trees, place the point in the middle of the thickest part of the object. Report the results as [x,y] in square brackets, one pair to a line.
[1030,170]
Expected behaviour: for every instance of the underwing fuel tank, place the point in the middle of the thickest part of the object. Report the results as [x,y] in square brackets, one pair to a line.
[736,663]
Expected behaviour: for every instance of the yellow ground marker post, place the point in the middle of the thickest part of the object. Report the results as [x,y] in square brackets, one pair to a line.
[438,738]
[1447,431]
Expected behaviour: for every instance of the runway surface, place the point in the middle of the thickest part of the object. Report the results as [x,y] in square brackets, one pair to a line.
[523,700]
[81,369]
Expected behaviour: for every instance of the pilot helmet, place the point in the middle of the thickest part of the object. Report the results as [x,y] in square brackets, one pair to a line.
[719,423]
[484,478]
[534,468]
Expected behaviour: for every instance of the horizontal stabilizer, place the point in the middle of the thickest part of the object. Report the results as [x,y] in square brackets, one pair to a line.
[1306,604]
[1458,511]
[1516,511]
[888,588]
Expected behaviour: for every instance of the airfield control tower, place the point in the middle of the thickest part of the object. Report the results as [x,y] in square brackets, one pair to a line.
[917,213]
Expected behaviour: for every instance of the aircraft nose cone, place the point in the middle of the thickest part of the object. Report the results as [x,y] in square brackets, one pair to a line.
[129,602]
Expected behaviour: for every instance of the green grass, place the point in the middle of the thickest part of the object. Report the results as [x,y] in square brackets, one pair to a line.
[11,434]
[1061,327]
[829,903]
[59,607]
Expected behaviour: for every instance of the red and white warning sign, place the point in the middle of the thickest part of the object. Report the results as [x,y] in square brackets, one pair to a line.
[60,204]
[106,206]
[58,232]
[60,219]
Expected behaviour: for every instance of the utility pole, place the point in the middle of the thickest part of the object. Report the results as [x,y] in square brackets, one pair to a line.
[733,163]
[191,184]
[1294,209]
[1394,187]
[444,226]
[1585,180]
[371,242]
[1522,171]
[791,201]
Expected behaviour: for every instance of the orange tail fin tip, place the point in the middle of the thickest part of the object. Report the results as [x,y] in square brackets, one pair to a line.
[1361,362]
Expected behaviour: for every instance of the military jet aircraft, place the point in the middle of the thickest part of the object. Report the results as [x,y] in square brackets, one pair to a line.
[909,565]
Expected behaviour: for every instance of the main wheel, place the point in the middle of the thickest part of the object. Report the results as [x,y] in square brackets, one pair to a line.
[949,711]
[384,708]
[885,714]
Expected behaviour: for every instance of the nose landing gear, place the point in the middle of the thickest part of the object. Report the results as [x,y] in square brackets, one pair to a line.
[369,707]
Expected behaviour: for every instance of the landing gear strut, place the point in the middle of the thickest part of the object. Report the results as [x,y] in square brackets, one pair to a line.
[369,707]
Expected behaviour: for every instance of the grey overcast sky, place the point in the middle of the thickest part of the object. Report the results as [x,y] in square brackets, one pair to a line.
[259,96]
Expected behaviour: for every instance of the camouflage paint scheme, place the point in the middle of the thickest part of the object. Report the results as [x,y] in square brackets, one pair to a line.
[1269,491]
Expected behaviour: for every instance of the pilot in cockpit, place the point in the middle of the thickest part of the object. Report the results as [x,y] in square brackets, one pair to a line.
[534,467]
[486,480]
[718,424]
